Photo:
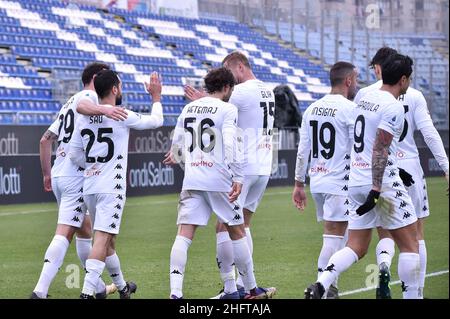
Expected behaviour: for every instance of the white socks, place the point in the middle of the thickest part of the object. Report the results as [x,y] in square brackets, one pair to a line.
[225,262]
[408,271]
[178,260]
[84,246]
[244,263]
[385,251]
[112,263]
[94,270]
[53,260]
[248,234]
[339,262]
[423,266]
[331,244]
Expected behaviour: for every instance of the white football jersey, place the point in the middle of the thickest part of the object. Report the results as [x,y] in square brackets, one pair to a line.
[256,109]
[376,110]
[105,144]
[64,127]
[206,132]
[327,132]
[417,116]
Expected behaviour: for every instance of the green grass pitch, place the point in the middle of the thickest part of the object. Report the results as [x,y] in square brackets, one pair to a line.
[286,246]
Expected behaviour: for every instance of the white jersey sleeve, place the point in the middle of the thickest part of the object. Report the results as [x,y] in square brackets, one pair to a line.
[303,151]
[392,120]
[143,122]
[76,152]
[232,144]
[422,116]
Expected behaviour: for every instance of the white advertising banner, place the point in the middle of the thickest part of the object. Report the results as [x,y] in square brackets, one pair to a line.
[181,8]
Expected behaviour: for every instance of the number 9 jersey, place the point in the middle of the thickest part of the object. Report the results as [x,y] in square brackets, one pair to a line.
[64,127]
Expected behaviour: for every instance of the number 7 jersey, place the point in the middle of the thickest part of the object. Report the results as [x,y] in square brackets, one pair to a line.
[64,127]
[326,132]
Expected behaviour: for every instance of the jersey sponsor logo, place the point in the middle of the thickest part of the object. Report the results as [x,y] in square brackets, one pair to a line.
[92,172]
[202,164]
[320,168]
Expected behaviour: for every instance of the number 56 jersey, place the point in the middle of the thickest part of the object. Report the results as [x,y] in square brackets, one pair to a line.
[102,144]
[326,132]
[206,134]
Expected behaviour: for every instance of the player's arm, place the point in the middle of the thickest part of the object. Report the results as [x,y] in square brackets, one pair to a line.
[430,135]
[299,195]
[193,94]
[233,149]
[45,155]
[87,107]
[176,155]
[76,152]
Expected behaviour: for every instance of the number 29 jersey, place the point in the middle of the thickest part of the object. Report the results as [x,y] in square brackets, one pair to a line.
[64,128]
[376,110]
[327,130]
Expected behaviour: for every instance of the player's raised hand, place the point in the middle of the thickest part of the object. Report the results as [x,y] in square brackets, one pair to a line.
[47,183]
[115,113]
[169,159]
[235,192]
[193,94]
[299,198]
[154,87]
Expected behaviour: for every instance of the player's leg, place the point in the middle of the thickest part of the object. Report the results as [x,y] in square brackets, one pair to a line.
[400,219]
[193,211]
[385,252]
[70,216]
[422,254]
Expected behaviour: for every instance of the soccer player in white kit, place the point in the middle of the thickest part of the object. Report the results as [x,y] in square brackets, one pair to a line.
[377,130]
[417,117]
[256,109]
[66,180]
[101,146]
[327,133]
[207,136]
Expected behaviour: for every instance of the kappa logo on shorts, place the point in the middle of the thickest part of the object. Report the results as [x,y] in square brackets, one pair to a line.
[347,202]
[406,215]
[78,209]
[76,219]
[218,263]
[237,217]
[81,190]
[345,188]
[399,194]
[347,213]
[424,188]
[389,153]
[347,157]
[425,198]
[396,184]
[347,167]
[112,225]
[390,163]
[118,176]
[119,197]
[119,157]
[392,173]
[176,272]
[425,208]
[347,177]
[403,204]
[116,216]
[118,166]
[80,169]
[118,186]
[236,207]
[80,200]
[118,206]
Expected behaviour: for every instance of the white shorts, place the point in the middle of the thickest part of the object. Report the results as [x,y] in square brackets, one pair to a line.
[106,211]
[331,208]
[418,190]
[252,191]
[69,195]
[195,208]
[394,209]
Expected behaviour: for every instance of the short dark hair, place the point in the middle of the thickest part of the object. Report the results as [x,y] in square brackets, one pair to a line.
[104,82]
[92,69]
[395,67]
[339,72]
[217,79]
[237,56]
[381,56]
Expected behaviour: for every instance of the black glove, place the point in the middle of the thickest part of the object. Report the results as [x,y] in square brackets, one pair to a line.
[370,203]
[406,177]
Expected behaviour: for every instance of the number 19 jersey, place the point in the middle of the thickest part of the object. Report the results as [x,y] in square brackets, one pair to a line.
[376,110]
[327,130]
[64,128]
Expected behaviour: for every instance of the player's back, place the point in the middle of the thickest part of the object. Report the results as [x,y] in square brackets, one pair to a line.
[328,124]
[378,109]
[64,127]
[256,108]
[105,142]
[205,124]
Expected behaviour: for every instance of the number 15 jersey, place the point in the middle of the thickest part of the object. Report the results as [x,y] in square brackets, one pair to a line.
[326,132]
[105,145]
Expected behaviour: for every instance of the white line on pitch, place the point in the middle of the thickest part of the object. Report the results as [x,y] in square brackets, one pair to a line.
[352,292]
[146,203]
